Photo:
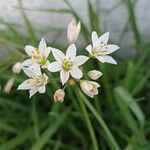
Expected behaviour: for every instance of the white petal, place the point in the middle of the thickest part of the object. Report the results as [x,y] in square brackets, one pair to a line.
[36,69]
[71,51]
[47,51]
[104,38]
[64,76]
[42,89]
[54,66]
[27,63]
[76,73]
[30,50]
[79,60]
[58,55]
[94,38]
[46,78]
[89,48]
[111,48]
[78,30]
[94,83]
[106,59]
[42,46]
[33,91]
[28,72]
[27,84]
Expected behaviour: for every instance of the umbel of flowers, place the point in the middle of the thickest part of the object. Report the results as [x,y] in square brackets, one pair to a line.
[68,65]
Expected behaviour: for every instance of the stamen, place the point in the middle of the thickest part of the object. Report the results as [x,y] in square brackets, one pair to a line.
[67,64]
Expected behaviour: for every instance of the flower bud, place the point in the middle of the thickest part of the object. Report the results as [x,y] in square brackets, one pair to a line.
[9,84]
[59,95]
[94,74]
[73,31]
[90,88]
[16,68]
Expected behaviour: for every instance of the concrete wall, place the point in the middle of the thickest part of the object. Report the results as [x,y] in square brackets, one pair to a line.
[113,21]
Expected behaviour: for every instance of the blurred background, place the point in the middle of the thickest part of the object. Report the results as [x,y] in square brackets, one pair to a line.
[118,116]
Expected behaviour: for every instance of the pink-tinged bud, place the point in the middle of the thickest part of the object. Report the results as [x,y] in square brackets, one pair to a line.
[59,95]
[8,86]
[73,31]
[16,68]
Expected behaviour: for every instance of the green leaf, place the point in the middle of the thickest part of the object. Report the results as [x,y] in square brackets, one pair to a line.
[125,101]
[48,133]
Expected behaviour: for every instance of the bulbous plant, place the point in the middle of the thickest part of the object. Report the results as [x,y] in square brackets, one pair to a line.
[69,65]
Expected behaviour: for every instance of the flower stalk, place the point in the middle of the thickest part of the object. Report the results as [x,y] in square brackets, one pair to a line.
[88,122]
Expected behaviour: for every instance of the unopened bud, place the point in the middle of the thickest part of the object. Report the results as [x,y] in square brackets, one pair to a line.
[16,68]
[8,86]
[94,74]
[59,95]
[73,31]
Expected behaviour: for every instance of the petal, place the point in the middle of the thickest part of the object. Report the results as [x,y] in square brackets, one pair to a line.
[42,46]
[54,66]
[79,60]
[111,48]
[47,51]
[94,38]
[89,48]
[71,51]
[104,38]
[28,72]
[33,91]
[58,55]
[106,59]
[27,63]
[30,50]
[78,30]
[94,83]
[42,89]
[64,76]
[88,93]
[27,84]
[46,78]
[76,73]
[36,69]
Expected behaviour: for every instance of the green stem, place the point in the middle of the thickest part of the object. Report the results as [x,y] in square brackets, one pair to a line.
[88,123]
[113,142]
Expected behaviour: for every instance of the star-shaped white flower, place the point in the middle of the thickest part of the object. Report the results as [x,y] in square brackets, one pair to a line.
[39,55]
[36,82]
[100,49]
[67,64]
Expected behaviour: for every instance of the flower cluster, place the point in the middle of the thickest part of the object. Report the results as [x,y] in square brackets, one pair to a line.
[68,64]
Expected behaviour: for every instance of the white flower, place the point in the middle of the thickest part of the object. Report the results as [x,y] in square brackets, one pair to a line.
[59,95]
[8,86]
[100,49]
[73,31]
[16,68]
[89,87]
[39,55]
[94,74]
[68,64]
[36,82]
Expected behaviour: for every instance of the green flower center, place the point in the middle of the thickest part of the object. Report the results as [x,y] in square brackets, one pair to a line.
[67,64]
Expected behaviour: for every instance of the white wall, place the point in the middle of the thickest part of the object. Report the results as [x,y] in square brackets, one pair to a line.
[113,21]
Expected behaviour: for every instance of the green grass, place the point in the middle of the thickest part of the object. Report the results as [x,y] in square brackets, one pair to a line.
[116,119]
